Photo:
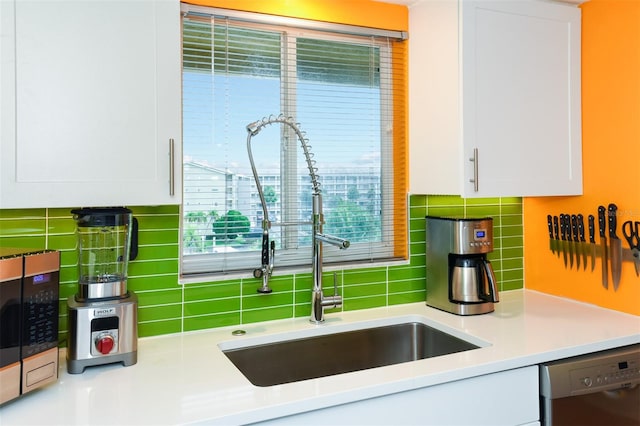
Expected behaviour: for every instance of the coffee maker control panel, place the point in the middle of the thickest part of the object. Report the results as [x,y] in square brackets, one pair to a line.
[472,236]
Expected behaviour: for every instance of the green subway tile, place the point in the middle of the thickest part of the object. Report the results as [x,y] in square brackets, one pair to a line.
[513,241]
[267,300]
[62,226]
[417,200]
[154,313]
[511,209]
[155,282]
[364,290]
[157,236]
[512,275]
[402,298]
[211,307]
[158,252]
[148,210]
[419,249]
[20,226]
[67,290]
[511,285]
[417,212]
[266,314]
[445,211]
[302,310]
[483,211]
[157,328]
[163,297]
[166,222]
[511,200]
[481,201]
[224,289]
[23,241]
[416,284]
[511,263]
[63,242]
[405,272]
[514,221]
[69,274]
[303,282]
[512,252]
[362,276]
[277,284]
[444,200]
[212,321]
[21,214]
[153,267]
[364,303]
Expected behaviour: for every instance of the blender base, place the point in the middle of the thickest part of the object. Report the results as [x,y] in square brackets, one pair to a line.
[102,332]
[77,366]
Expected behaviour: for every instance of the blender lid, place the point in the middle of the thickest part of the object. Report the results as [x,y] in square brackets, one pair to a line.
[102,216]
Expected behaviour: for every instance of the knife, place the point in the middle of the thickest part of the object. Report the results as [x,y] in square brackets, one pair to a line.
[615,247]
[603,246]
[552,242]
[592,241]
[563,236]
[556,234]
[567,225]
[583,245]
[631,232]
[576,243]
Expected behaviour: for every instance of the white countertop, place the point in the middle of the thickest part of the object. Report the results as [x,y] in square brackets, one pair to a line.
[185,378]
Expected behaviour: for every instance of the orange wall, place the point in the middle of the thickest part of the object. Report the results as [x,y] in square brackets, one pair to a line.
[366,13]
[610,155]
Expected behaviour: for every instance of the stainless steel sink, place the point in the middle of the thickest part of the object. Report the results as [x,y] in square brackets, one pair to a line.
[319,356]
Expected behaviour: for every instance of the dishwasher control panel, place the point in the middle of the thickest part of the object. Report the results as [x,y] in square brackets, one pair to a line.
[608,370]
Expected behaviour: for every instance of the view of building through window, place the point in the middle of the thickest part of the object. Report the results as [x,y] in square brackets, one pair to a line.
[332,87]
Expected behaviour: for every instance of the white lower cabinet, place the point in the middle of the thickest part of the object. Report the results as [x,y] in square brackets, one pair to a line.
[505,398]
[91,103]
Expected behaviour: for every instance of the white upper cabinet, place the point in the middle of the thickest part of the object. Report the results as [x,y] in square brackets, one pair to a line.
[91,103]
[494,96]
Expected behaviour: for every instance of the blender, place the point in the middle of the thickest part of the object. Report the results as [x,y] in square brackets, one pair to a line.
[103,325]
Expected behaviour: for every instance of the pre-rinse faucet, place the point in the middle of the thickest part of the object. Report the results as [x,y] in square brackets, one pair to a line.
[318,300]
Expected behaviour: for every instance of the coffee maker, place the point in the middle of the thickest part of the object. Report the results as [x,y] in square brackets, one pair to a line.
[460,278]
[103,315]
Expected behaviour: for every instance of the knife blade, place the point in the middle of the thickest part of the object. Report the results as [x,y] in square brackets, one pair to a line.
[615,247]
[576,243]
[603,246]
[563,237]
[552,242]
[592,240]
[556,234]
[582,243]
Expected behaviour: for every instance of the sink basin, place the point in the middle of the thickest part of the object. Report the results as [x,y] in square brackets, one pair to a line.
[342,352]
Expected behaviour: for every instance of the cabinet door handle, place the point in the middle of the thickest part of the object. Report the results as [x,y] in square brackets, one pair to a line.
[172,190]
[474,160]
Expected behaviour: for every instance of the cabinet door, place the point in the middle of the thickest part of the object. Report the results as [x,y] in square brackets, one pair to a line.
[521,98]
[502,78]
[97,105]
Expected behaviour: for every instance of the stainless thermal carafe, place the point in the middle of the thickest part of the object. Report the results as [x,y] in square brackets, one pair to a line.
[460,278]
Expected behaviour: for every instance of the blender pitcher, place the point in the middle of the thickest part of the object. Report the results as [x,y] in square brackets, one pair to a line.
[107,240]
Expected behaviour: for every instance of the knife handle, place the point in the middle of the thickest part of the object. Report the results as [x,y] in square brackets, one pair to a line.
[574,227]
[613,221]
[581,226]
[563,227]
[555,227]
[601,220]
[550,225]
[592,229]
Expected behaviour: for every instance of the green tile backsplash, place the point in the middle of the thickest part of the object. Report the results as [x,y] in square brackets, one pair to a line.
[165,306]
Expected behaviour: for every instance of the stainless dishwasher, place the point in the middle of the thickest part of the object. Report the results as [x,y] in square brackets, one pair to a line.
[601,388]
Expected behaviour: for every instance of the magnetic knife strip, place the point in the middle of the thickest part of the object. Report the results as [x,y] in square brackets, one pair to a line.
[568,239]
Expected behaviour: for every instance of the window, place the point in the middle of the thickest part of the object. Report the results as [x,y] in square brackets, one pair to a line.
[346,91]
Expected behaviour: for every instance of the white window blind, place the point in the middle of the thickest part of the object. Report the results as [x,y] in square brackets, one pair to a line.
[340,89]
